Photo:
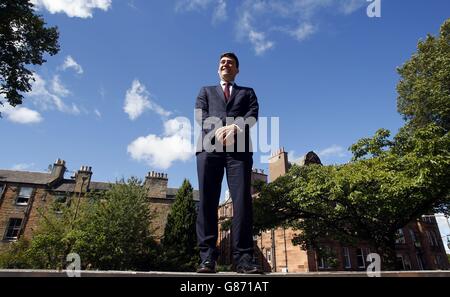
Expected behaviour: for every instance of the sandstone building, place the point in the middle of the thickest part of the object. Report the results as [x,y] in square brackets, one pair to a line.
[22,193]
[419,246]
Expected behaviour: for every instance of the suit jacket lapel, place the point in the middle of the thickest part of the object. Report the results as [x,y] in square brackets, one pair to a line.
[220,93]
[233,94]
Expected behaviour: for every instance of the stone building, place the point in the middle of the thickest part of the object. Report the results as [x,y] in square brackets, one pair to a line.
[418,248]
[22,193]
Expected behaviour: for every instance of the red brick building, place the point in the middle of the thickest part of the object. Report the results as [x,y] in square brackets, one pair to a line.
[419,246]
[22,193]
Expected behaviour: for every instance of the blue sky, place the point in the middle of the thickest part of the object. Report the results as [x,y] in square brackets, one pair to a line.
[129,71]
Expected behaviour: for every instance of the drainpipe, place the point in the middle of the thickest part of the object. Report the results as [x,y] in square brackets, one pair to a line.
[273,250]
[285,249]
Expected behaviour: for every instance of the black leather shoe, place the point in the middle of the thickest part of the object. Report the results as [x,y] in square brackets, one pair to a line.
[248,267]
[207,266]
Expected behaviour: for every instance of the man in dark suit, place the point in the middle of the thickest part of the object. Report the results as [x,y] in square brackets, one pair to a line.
[226,112]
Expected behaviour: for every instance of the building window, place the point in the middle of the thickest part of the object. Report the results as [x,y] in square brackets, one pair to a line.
[427,218]
[60,201]
[24,196]
[434,238]
[407,262]
[324,259]
[439,262]
[269,256]
[414,238]
[2,188]
[347,261]
[400,239]
[420,263]
[400,262]
[360,259]
[13,229]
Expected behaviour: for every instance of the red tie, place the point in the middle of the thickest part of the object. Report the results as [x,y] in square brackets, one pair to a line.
[226,91]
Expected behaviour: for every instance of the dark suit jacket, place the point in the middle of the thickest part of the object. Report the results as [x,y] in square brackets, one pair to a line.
[242,107]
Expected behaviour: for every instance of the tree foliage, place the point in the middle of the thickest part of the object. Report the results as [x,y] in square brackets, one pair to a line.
[389,182]
[180,241]
[24,40]
[424,88]
[109,230]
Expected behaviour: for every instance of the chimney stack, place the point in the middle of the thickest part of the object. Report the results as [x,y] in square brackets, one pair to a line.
[278,164]
[83,179]
[156,184]
[57,173]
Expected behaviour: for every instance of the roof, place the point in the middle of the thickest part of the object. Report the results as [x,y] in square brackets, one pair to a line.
[27,177]
[172,192]
[66,185]
[309,158]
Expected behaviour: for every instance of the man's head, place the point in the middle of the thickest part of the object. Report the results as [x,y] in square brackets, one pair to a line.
[228,66]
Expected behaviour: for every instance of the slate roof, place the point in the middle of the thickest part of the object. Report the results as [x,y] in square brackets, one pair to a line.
[66,185]
[12,176]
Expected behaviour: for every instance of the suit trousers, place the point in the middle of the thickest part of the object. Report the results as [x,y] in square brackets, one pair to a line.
[210,170]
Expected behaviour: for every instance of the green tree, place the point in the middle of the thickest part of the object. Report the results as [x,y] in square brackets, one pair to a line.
[118,234]
[389,182]
[109,230]
[424,88]
[180,241]
[24,40]
[15,257]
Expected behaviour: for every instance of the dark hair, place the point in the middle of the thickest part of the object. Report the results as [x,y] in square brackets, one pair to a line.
[232,56]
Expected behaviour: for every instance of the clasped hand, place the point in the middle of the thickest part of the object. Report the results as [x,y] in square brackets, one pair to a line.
[225,135]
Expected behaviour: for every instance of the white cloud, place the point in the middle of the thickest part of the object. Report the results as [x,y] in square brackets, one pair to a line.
[220,12]
[333,151]
[273,16]
[58,88]
[256,38]
[350,6]
[303,31]
[132,4]
[97,113]
[69,62]
[20,115]
[190,5]
[137,100]
[161,152]
[102,92]
[292,156]
[73,8]
[23,166]
[48,99]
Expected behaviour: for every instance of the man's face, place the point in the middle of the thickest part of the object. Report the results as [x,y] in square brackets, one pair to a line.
[227,69]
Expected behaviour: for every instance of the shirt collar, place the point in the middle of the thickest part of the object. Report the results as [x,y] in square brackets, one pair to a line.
[222,83]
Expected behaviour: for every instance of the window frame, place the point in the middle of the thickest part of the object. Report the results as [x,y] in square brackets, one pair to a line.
[346,254]
[401,237]
[16,228]
[269,256]
[324,263]
[400,256]
[19,196]
[361,256]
